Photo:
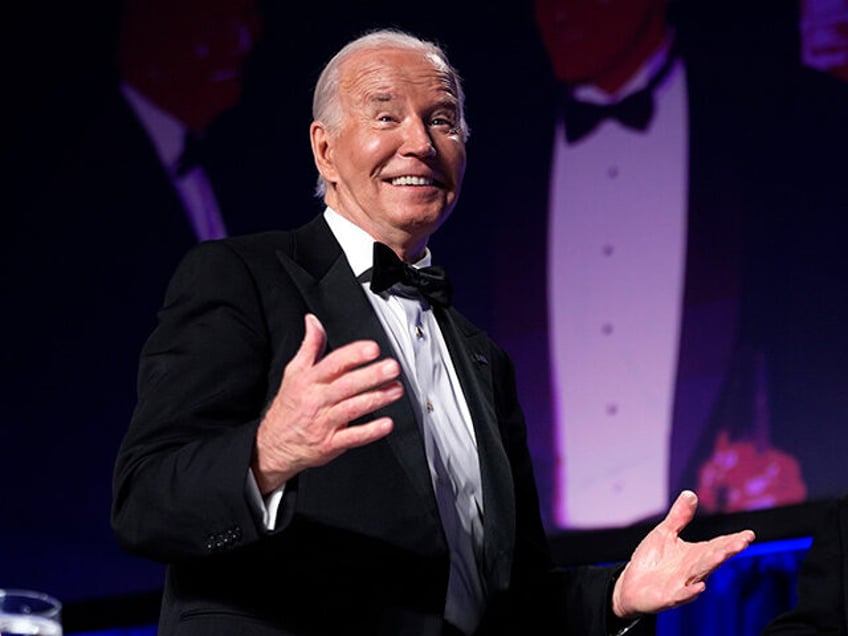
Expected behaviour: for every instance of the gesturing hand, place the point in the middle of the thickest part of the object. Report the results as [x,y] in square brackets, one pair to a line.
[307,422]
[665,571]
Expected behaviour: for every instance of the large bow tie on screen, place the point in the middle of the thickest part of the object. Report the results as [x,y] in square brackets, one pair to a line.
[634,111]
[581,118]
[388,270]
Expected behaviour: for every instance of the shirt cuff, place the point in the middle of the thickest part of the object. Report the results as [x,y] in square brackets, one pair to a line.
[627,628]
[618,626]
[266,506]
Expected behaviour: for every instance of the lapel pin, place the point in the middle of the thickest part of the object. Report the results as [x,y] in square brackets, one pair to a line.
[479,358]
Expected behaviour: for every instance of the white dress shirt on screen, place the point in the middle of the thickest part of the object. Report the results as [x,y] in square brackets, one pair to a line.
[617,248]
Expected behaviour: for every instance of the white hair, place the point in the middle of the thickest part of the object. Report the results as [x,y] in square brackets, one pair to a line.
[325,98]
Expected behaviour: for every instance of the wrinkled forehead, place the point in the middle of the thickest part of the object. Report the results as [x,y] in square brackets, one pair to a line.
[388,73]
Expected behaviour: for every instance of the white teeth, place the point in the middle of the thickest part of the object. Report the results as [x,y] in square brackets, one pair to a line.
[412,181]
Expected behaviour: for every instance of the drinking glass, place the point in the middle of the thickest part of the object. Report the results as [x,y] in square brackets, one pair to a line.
[29,613]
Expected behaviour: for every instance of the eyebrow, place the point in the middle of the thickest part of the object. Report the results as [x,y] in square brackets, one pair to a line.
[447,102]
[380,98]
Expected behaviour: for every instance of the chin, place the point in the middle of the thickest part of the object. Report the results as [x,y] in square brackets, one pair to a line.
[419,222]
[417,212]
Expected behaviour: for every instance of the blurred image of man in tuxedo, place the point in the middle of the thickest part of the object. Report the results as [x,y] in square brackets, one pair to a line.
[102,213]
[676,182]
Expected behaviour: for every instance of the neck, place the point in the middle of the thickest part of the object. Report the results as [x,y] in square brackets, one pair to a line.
[410,247]
[407,253]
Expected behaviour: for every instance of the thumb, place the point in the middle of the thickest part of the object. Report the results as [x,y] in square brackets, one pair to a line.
[314,342]
[682,511]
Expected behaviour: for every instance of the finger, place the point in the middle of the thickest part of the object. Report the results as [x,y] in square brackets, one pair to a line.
[363,379]
[313,344]
[344,359]
[682,512]
[717,551]
[364,403]
[362,434]
[689,592]
[337,362]
[730,545]
[738,541]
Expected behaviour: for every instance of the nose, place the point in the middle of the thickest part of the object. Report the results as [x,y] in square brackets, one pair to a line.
[417,140]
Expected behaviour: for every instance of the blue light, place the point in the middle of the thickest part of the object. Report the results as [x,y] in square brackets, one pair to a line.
[776,547]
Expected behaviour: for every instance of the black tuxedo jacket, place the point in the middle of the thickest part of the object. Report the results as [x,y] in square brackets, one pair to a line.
[822,606]
[358,547]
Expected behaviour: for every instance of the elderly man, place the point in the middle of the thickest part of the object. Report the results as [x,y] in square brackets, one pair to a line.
[323,445]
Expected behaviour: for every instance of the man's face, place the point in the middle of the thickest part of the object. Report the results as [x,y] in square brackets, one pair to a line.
[586,39]
[395,162]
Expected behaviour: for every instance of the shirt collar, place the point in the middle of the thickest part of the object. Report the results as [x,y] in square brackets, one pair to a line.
[357,244]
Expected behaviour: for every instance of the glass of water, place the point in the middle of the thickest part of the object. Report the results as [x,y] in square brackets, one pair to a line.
[29,613]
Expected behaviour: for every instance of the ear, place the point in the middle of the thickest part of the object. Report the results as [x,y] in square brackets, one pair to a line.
[322,151]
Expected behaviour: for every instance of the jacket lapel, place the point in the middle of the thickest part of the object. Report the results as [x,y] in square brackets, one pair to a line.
[468,346]
[322,275]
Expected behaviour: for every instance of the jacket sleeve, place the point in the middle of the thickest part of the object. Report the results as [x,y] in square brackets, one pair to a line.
[180,476]
[821,607]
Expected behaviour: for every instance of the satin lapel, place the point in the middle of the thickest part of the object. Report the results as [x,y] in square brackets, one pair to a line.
[468,349]
[322,275]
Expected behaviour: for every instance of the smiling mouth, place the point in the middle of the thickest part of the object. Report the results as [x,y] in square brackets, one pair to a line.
[410,180]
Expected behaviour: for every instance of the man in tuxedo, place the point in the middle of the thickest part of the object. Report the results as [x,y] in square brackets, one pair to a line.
[323,444]
[675,169]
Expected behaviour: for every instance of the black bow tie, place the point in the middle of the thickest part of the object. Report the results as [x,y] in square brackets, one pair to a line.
[581,118]
[388,270]
[634,111]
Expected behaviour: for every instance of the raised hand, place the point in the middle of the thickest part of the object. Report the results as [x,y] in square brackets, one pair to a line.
[307,422]
[665,571]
